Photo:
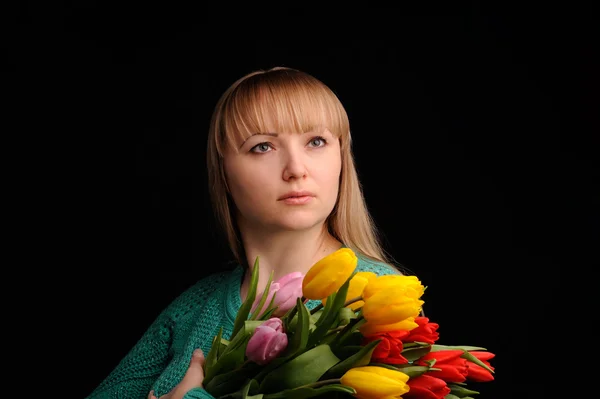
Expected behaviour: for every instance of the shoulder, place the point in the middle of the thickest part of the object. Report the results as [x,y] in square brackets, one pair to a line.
[366,264]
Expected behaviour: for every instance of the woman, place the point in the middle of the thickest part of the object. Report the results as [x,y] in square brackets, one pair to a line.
[284,188]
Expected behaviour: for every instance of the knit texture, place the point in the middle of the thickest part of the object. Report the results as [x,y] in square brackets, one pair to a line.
[161,357]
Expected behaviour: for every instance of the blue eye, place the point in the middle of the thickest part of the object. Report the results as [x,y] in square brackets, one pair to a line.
[318,141]
[261,148]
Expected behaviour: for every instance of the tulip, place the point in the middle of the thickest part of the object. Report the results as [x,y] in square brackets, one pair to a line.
[426,387]
[409,286]
[477,373]
[327,275]
[372,382]
[453,367]
[390,305]
[425,332]
[288,288]
[267,341]
[370,328]
[389,349]
[357,284]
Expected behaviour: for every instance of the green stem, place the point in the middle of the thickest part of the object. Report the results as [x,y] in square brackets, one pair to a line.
[348,302]
[348,328]
[316,309]
[351,301]
[321,383]
[289,316]
[333,331]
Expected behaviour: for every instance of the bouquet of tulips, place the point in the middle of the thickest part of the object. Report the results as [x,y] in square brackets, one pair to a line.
[364,338]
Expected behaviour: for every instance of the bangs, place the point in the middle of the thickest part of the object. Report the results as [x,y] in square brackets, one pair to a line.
[284,102]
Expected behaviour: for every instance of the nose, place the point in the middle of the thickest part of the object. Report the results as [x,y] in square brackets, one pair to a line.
[294,166]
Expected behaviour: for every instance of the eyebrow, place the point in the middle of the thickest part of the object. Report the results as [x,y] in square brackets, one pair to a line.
[262,134]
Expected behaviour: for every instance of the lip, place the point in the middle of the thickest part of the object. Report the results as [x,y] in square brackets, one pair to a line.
[296,194]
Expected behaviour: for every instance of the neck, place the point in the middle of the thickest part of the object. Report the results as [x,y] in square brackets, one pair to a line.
[284,252]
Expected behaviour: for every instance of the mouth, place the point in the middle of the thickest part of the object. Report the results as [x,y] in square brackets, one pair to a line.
[296,194]
[297,197]
[297,200]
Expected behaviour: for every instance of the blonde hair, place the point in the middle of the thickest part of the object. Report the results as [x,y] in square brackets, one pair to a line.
[285,99]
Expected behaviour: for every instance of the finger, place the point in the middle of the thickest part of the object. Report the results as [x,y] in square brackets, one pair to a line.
[151,395]
[195,373]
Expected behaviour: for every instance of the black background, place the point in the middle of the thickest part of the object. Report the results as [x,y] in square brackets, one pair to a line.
[475,134]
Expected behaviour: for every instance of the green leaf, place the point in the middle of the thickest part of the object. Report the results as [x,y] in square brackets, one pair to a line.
[450,396]
[344,316]
[268,313]
[325,310]
[470,357]
[271,366]
[415,353]
[300,336]
[230,361]
[436,347]
[234,353]
[244,310]
[248,391]
[349,332]
[360,358]
[263,298]
[211,358]
[325,322]
[308,392]
[242,335]
[409,345]
[314,317]
[414,371]
[460,391]
[226,383]
[344,352]
[302,370]
[270,309]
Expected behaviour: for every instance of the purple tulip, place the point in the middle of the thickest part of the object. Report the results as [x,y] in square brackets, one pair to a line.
[288,288]
[267,342]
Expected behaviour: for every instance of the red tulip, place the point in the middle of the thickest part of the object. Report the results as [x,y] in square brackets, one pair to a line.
[453,366]
[389,350]
[477,373]
[426,387]
[426,332]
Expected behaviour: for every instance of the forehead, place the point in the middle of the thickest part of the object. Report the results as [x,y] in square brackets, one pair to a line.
[266,113]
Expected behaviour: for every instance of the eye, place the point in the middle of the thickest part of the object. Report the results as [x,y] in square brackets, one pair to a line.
[261,148]
[317,141]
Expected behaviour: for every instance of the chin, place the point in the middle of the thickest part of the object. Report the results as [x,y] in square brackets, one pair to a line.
[300,222]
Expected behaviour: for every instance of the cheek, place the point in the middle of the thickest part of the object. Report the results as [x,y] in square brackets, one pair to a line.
[330,179]
[246,182]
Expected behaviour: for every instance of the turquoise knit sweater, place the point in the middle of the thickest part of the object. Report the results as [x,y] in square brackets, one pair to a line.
[161,357]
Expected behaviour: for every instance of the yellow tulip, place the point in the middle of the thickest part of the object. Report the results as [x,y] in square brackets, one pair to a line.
[390,306]
[370,328]
[405,285]
[327,275]
[356,287]
[372,382]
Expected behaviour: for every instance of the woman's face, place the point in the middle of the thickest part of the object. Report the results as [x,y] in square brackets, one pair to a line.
[284,181]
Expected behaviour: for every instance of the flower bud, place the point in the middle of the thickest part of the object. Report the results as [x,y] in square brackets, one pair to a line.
[267,342]
[372,382]
[286,290]
[327,275]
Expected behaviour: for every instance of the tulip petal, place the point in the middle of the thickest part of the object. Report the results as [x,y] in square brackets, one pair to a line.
[329,274]
[370,328]
[371,382]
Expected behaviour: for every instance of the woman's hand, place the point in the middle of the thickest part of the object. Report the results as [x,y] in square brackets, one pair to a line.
[192,379]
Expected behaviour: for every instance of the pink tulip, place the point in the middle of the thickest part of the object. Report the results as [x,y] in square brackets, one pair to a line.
[288,288]
[267,342]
